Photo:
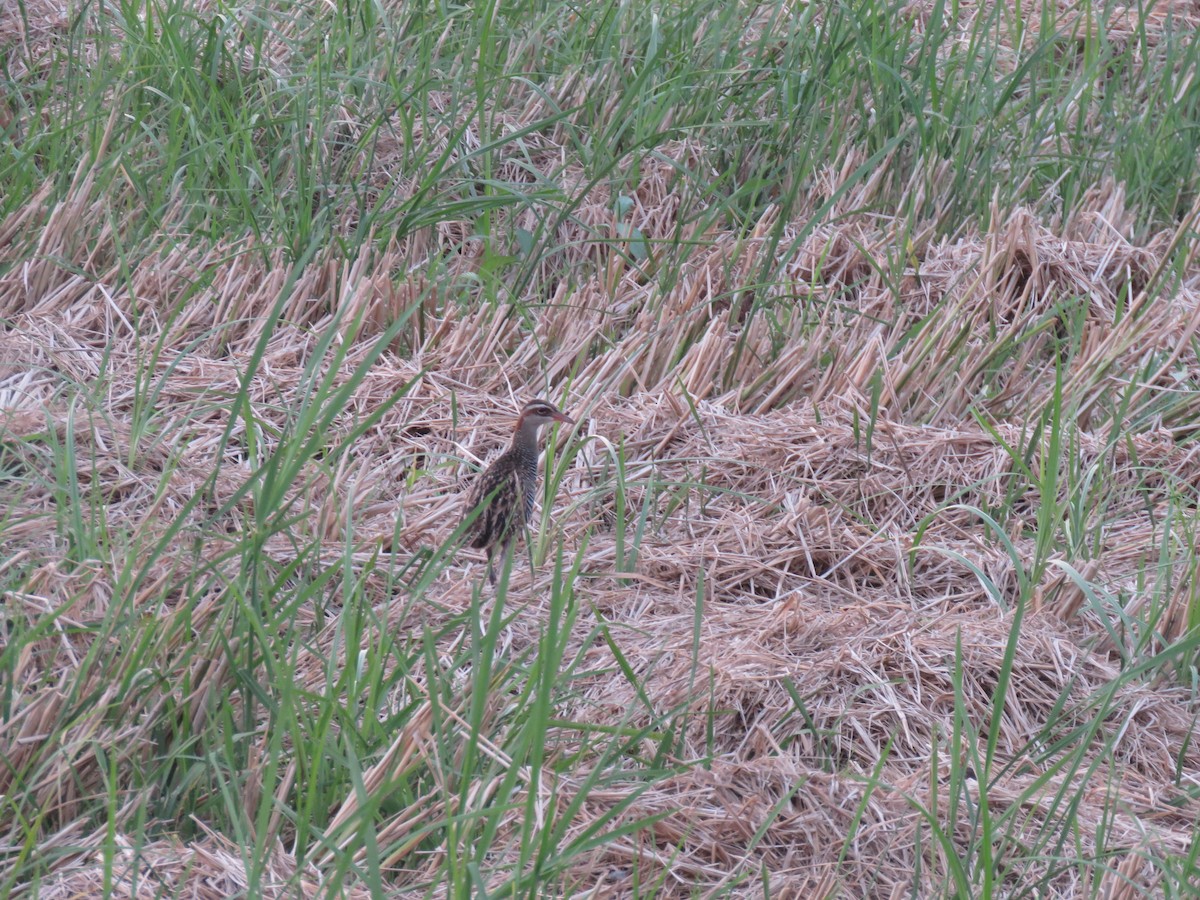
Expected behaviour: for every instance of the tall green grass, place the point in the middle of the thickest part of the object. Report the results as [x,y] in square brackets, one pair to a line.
[256,120]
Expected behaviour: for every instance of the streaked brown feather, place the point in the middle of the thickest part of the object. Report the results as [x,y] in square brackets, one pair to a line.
[499,491]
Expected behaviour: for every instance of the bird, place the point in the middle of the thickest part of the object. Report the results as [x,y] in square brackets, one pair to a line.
[501,500]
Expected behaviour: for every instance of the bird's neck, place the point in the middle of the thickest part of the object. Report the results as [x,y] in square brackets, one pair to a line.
[525,437]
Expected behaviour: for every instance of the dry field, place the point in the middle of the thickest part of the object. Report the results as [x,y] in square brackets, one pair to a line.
[868,571]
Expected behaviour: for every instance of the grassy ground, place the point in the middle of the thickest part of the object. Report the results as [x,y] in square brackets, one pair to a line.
[870,569]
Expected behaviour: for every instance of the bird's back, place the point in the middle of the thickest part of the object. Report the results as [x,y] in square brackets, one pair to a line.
[504,495]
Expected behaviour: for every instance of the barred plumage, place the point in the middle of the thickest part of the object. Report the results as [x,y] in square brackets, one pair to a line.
[505,492]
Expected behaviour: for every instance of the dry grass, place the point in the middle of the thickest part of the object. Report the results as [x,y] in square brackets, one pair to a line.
[816,605]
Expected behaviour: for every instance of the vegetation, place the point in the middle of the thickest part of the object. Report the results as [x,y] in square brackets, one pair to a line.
[870,569]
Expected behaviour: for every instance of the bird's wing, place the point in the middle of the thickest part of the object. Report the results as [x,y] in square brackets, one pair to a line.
[496,491]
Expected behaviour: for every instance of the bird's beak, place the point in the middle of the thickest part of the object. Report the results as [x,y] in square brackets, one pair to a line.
[564,418]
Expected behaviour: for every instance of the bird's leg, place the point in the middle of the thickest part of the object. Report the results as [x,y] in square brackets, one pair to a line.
[491,568]
[506,556]
[529,552]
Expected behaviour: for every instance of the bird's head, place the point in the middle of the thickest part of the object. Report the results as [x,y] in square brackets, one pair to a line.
[542,412]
